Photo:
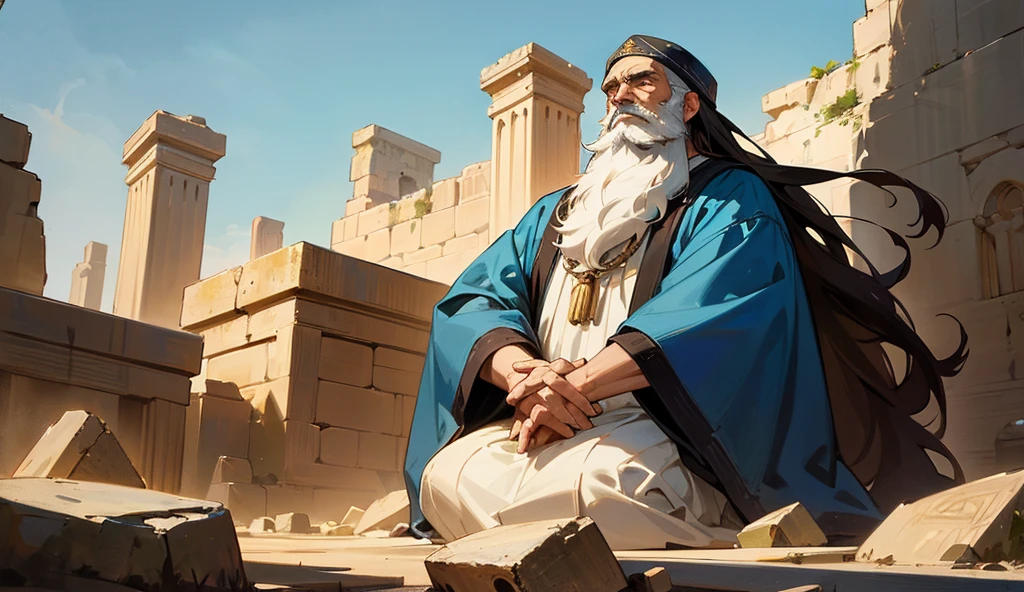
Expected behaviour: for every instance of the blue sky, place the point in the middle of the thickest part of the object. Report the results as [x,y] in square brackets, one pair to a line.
[289,81]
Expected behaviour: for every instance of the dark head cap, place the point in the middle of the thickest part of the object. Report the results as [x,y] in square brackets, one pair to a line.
[673,57]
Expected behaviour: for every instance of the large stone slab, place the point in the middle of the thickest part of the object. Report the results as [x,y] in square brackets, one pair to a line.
[80,446]
[980,521]
[532,557]
[55,529]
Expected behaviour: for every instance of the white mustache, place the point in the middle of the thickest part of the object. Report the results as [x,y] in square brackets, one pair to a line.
[635,110]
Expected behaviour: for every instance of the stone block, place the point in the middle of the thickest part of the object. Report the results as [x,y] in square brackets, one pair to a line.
[265,322]
[923,34]
[399,360]
[980,519]
[984,21]
[210,299]
[405,237]
[377,451]
[243,367]
[267,236]
[445,193]
[223,431]
[437,227]
[283,498]
[462,243]
[417,269]
[263,524]
[657,579]
[14,142]
[401,382]
[355,247]
[293,522]
[339,447]
[296,354]
[792,95]
[373,219]
[791,526]
[378,246]
[22,254]
[385,513]
[352,517]
[475,182]
[447,269]
[231,469]
[346,362]
[982,150]
[225,336]
[356,205]
[532,557]
[20,191]
[222,390]
[80,446]
[396,263]
[245,501]
[871,32]
[107,533]
[363,327]
[423,255]
[346,406]
[372,185]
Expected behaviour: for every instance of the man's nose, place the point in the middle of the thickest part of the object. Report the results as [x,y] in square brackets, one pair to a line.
[623,95]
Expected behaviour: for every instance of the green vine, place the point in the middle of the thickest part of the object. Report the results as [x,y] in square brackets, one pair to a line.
[393,214]
[840,110]
[818,73]
[424,204]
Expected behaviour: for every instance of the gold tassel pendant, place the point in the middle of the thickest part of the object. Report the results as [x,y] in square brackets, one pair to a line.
[583,300]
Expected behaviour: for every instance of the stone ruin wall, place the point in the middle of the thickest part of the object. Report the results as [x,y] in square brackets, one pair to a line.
[941,102]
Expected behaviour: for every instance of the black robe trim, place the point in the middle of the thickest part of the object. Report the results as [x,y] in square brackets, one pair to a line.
[478,402]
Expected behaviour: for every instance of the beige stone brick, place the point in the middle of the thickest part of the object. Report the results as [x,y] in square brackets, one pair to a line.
[871,32]
[284,498]
[370,184]
[417,269]
[344,229]
[422,255]
[265,322]
[472,217]
[462,243]
[445,193]
[378,245]
[273,392]
[210,299]
[14,142]
[392,358]
[355,247]
[405,237]
[346,362]
[395,262]
[374,219]
[301,442]
[377,451]
[362,327]
[400,382]
[475,182]
[243,367]
[222,390]
[448,268]
[339,447]
[396,426]
[346,406]
[356,205]
[403,447]
[225,336]
[296,354]
[438,227]
[21,190]
[408,411]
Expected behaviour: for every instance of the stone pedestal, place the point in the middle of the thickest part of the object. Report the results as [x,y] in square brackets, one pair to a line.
[170,162]
[87,278]
[22,246]
[327,350]
[267,237]
[388,166]
[537,101]
[56,357]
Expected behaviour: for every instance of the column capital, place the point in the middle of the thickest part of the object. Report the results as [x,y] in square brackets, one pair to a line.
[531,71]
[184,143]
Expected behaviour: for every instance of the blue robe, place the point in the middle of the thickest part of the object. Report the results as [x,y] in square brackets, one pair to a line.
[726,340]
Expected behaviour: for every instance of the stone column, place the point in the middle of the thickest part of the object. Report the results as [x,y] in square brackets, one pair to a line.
[170,166]
[537,99]
[388,166]
[267,236]
[87,278]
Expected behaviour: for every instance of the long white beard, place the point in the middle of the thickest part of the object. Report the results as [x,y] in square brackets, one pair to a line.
[637,167]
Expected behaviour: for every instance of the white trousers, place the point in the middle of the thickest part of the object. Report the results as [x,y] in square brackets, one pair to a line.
[624,473]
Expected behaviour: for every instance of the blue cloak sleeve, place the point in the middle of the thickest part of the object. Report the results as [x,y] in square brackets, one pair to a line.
[728,346]
[487,308]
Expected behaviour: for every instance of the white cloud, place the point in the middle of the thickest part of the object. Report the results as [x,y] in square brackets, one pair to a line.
[225,250]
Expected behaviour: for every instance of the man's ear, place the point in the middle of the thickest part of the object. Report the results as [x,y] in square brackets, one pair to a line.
[691,104]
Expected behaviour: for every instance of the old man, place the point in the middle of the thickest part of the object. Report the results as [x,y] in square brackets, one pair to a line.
[676,345]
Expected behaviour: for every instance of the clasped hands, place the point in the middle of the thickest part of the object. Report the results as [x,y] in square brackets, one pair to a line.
[549,401]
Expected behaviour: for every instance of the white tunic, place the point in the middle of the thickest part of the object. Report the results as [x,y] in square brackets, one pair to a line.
[624,473]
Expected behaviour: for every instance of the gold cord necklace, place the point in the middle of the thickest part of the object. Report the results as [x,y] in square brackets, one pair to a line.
[585,294]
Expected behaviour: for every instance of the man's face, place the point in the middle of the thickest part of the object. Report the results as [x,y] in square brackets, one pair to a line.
[635,80]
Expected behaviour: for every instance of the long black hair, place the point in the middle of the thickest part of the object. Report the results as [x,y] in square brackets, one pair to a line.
[854,314]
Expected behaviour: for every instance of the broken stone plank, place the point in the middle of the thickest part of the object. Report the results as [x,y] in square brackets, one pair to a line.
[246,501]
[984,515]
[531,557]
[655,579]
[232,469]
[80,446]
[385,513]
[791,526]
[263,524]
[293,522]
[145,539]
